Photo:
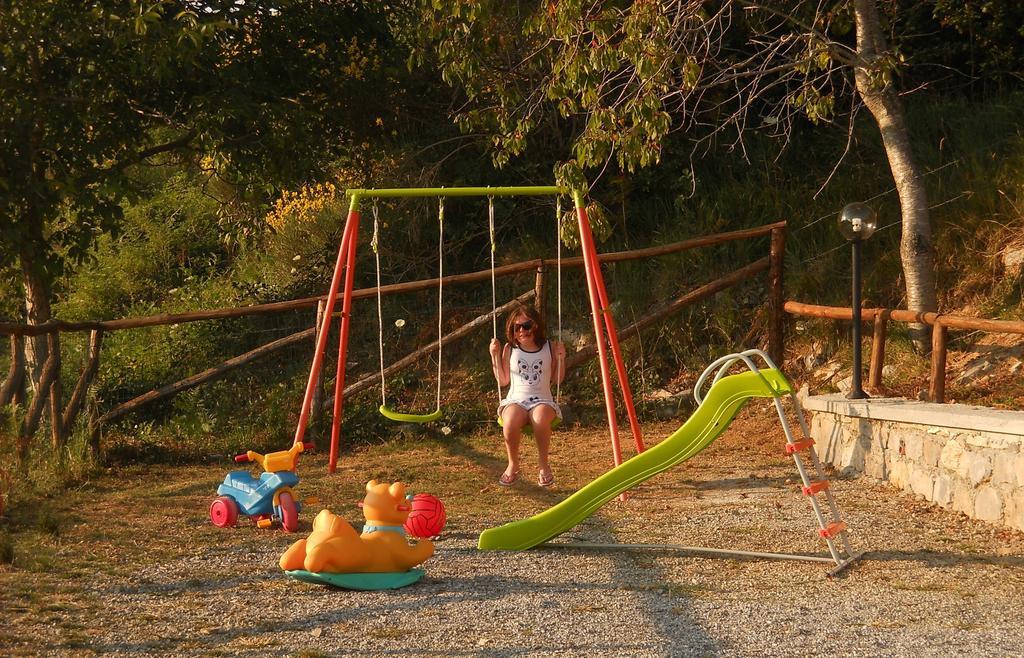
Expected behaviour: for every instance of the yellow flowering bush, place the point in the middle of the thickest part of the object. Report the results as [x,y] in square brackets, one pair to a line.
[303,204]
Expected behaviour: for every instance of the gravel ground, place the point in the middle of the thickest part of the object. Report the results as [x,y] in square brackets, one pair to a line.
[930,584]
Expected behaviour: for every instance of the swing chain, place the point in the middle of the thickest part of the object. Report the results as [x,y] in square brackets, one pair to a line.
[494,294]
[558,269]
[380,305]
[440,288]
[376,227]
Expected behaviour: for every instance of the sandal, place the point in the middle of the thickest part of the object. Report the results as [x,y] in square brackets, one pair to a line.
[545,482]
[507,480]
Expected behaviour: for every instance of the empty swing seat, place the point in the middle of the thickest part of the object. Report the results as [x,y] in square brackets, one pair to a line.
[410,418]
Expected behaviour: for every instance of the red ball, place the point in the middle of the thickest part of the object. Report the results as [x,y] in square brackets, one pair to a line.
[427,517]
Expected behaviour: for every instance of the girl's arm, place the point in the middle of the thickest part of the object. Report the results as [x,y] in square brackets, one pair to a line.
[558,357]
[499,362]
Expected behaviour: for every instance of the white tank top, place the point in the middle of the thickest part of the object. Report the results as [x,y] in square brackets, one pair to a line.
[530,374]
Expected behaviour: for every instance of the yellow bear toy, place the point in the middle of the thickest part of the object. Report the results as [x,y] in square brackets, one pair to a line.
[334,547]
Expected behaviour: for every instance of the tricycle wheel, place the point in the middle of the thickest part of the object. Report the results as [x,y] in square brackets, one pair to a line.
[224,512]
[289,513]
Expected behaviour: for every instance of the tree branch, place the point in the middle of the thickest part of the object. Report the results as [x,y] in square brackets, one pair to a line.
[144,154]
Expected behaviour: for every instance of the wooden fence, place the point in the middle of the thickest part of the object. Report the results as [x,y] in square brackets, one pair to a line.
[12,390]
[880,318]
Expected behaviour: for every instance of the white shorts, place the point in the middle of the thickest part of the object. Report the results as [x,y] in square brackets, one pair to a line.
[529,405]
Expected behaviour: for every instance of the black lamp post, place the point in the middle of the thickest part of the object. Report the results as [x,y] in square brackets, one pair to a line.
[856,223]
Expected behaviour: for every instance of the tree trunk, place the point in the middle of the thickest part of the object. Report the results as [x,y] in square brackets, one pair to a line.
[42,353]
[37,311]
[916,250]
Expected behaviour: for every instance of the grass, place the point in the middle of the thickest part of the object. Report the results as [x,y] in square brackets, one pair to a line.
[112,511]
[918,586]
[123,524]
[6,548]
[689,590]
[392,633]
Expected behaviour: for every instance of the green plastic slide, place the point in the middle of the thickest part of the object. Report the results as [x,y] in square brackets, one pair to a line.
[723,401]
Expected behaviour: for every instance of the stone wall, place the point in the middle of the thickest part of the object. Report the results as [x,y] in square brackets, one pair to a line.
[966,459]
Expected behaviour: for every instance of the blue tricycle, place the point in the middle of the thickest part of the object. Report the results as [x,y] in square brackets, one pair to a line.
[267,499]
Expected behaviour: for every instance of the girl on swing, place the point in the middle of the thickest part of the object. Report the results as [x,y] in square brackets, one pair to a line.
[529,362]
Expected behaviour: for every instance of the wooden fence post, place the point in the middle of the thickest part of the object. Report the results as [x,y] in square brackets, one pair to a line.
[878,336]
[539,301]
[937,388]
[30,423]
[80,393]
[56,394]
[776,329]
[318,387]
[15,382]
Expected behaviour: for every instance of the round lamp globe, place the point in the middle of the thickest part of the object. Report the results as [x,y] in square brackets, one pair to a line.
[857,221]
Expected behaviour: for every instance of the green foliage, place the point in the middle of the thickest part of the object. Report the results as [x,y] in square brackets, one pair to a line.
[474,47]
[167,258]
[49,522]
[170,242]
[81,91]
[620,79]
[299,258]
[978,42]
[87,96]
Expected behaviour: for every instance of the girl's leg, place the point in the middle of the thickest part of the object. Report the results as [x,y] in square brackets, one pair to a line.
[541,418]
[513,418]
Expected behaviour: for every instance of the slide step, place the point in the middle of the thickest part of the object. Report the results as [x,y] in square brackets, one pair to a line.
[815,487]
[832,529]
[797,446]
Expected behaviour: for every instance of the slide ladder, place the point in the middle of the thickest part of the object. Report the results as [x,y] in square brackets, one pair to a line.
[725,398]
[831,526]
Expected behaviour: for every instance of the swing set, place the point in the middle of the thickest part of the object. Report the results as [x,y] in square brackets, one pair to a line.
[343,277]
[724,399]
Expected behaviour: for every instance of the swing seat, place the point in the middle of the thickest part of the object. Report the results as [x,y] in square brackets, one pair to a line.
[528,428]
[400,417]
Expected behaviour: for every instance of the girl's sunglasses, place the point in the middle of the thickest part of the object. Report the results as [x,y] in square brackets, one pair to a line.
[526,326]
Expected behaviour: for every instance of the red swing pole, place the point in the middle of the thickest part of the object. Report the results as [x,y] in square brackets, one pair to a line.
[346,322]
[587,240]
[596,310]
[325,325]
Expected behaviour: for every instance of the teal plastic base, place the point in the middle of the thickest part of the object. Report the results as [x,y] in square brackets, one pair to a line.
[360,581]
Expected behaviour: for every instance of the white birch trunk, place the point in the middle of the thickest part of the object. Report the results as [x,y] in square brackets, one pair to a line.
[916,250]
